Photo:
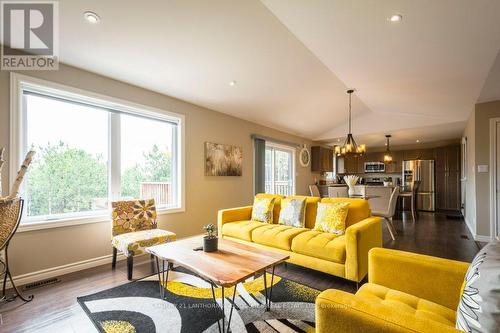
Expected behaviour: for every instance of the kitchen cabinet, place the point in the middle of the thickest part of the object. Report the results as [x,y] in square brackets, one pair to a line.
[418,154]
[350,164]
[361,164]
[397,162]
[321,159]
[447,163]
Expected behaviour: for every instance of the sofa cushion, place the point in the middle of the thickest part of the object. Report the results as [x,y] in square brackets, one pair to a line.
[241,229]
[321,245]
[359,209]
[331,217]
[277,204]
[479,307]
[404,302]
[276,235]
[262,210]
[311,208]
[293,212]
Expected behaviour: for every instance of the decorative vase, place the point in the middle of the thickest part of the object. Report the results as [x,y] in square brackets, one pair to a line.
[210,244]
[351,191]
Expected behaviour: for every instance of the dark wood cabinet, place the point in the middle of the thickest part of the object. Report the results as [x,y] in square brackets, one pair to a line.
[418,154]
[397,162]
[321,159]
[447,164]
[350,164]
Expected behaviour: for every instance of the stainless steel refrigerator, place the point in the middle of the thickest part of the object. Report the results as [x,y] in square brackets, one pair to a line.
[422,170]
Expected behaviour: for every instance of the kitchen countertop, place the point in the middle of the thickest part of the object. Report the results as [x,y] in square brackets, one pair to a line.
[342,185]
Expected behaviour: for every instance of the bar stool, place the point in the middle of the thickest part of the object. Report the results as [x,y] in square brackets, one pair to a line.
[413,197]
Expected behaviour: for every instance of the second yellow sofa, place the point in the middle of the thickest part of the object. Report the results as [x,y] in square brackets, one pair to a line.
[345,256]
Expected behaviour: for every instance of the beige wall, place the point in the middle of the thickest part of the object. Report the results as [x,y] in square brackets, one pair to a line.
[470,183]
[483,113]
[36,250]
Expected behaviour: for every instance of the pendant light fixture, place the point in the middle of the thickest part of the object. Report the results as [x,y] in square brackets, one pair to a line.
[388,154]
[350,147]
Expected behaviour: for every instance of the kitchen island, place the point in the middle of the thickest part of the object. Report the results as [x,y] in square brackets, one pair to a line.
[381,194]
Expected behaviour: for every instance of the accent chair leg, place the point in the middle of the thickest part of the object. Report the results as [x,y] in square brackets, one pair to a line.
[115,253]
[391,228]
[130,264]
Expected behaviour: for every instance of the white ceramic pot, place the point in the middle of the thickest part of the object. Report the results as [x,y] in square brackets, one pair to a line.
[351,191]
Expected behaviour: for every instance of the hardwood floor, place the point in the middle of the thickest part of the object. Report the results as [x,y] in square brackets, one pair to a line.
[55,309]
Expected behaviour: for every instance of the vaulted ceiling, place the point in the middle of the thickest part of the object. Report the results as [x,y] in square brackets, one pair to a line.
[292,60]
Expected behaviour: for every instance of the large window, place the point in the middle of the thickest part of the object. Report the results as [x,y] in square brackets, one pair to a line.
[280,170]
[91,151]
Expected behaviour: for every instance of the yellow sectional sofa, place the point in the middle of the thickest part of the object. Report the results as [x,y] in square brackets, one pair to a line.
[345,256]
[406,292]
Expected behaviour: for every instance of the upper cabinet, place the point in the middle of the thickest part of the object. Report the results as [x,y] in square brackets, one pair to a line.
[418,154]
[321,159]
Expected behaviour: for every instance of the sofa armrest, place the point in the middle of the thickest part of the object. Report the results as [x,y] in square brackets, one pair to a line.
[233,215]
[435,279]
[340,311]
[360,238]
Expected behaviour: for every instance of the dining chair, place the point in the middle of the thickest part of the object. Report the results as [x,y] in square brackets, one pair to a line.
[388,214]
[314,190]
[135,228]
[412,194]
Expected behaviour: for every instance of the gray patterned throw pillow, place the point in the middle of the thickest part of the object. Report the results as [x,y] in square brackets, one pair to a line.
[479,307]
[293,212]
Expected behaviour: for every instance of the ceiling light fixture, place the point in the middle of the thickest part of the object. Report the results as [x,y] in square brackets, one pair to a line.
[418,141]
[91,17]
[388,154]
[350,148]
[396,18]
[232,83]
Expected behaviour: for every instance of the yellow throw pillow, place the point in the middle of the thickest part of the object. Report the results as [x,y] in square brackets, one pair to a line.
[262,210]
[331,217]
[293,212]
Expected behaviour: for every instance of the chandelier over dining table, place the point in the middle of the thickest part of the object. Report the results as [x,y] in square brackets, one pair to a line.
[350,147]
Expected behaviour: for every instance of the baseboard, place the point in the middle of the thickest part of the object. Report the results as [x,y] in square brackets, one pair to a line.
[481,238]
[48,273]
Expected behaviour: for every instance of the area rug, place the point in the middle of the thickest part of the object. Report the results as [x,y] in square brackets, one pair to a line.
[188,307]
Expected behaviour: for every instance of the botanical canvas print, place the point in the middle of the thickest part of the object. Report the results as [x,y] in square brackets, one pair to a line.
[223,160]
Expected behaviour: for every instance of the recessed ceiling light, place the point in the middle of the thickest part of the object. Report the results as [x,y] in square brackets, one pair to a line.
[91,17]
[396,18]
[232,83]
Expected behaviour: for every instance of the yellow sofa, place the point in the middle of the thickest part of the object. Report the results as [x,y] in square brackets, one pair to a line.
[345,256]
[406,292]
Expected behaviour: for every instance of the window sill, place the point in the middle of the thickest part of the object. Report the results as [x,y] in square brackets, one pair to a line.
[69,222]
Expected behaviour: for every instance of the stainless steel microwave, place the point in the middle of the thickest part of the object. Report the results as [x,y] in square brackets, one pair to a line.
[374,167]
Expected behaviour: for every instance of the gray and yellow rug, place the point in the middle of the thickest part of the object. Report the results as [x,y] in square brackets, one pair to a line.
[189,306]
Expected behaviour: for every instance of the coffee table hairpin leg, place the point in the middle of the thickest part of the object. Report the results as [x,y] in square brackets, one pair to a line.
[223,328]
[162,276]
[268,298]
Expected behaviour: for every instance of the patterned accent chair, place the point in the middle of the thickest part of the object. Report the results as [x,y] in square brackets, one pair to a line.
[134,228]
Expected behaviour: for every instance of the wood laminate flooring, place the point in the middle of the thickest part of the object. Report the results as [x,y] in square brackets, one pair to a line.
[55,309]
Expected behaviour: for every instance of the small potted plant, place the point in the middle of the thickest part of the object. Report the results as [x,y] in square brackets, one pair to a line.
[387,181]
[210,241]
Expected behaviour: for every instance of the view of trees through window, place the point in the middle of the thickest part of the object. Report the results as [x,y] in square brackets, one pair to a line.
[72,172]
[279,170]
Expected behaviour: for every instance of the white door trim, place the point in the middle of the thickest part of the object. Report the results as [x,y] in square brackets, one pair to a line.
[494,232]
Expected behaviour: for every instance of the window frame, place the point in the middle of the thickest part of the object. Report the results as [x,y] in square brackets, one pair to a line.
[18,137]
[288,149]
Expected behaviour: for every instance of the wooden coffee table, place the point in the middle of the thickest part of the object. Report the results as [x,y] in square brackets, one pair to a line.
[231,264]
